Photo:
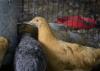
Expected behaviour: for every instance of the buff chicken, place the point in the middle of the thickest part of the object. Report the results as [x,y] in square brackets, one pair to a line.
[64,56]
[3,48]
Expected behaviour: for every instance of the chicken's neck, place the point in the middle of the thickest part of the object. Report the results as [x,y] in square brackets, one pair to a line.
[45,33]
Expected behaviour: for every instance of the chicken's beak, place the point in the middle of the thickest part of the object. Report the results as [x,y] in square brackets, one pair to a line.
[30,23]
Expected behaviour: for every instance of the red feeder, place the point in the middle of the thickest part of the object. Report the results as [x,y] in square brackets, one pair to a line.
[77,22]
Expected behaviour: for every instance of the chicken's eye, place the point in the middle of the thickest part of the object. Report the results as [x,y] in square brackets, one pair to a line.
[37,20]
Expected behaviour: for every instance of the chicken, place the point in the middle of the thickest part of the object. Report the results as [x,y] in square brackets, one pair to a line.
[62,32]
[3,48]
[59,30]
[56,26]
[64,56]
[25,28]
[29,55]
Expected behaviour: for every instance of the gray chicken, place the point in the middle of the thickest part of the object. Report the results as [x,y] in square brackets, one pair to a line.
[88,38]
[29,56]
[63,33]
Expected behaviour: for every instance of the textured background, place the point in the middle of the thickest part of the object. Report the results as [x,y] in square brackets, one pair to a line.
[54,8]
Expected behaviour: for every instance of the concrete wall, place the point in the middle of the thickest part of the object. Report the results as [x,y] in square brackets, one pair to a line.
[8,20]
[8,26]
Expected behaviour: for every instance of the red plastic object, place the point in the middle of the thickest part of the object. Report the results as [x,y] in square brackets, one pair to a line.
[77,22]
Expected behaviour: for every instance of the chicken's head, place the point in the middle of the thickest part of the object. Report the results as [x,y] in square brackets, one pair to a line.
[38,21]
